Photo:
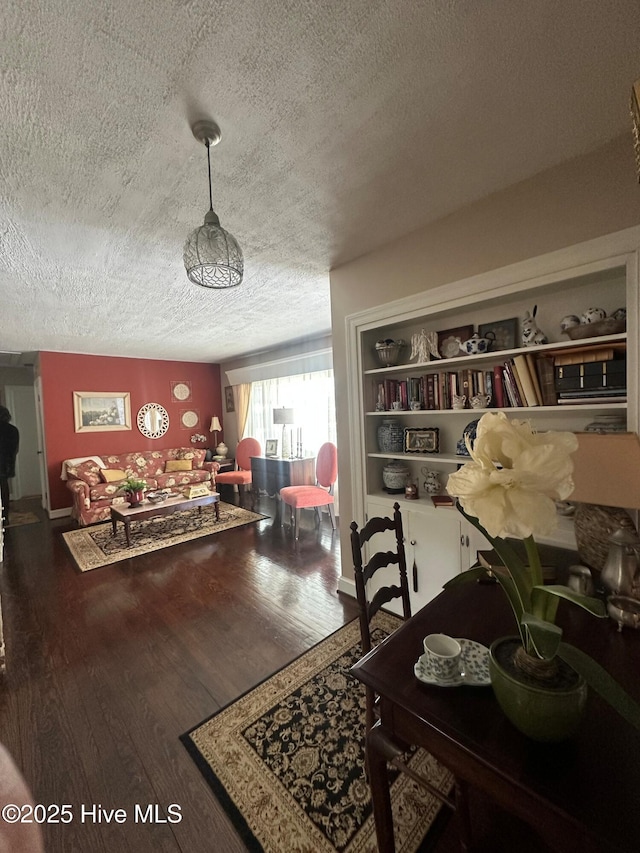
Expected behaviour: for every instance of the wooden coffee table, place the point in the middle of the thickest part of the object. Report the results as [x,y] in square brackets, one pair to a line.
[127,514]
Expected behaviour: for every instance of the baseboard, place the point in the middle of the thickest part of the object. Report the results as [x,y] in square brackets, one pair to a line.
[347,586]
[60,513]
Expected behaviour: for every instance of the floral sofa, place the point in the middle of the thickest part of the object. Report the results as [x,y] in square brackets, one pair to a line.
[95,481]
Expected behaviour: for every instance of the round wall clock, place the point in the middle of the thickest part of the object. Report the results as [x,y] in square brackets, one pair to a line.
[153,420]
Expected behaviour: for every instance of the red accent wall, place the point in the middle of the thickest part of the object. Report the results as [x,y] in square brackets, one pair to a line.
[146,380]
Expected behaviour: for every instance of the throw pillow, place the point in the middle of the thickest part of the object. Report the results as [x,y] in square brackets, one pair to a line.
[178,465]
[112,475]
[197,455]
[87,471]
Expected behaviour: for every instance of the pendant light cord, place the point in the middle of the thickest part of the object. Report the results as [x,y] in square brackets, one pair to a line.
[208,144]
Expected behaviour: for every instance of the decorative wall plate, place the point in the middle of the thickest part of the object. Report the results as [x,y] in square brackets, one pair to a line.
[181,391]
[189,418]
[153,420]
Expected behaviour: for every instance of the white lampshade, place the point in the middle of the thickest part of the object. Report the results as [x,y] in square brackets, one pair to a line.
[283,416]
[607,469]
[215,424]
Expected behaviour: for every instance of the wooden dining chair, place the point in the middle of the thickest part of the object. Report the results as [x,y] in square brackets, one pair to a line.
[369,603]
[241,476]
[368,606]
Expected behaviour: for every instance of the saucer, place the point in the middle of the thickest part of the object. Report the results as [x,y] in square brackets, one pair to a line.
[474,664]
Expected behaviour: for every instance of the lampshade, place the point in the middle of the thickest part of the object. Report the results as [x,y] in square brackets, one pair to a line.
[212,256]
[283,416]
[606,469]
[215,424]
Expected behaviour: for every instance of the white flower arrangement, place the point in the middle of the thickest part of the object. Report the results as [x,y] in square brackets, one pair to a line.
[198,438]
[508,489]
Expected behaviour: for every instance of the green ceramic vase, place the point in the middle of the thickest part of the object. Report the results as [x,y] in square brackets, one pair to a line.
[546,714]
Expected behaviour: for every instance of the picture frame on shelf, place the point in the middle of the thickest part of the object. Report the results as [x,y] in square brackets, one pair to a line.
[228,399]
[271,447]
[449,340]
[422,440]
[101,411]
[505,331]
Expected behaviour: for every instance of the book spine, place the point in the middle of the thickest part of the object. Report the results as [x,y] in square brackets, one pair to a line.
[498,386]
[526,386]
[518,394]
[546,377]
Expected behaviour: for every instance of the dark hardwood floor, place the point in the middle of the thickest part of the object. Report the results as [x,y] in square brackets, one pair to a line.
[106,669]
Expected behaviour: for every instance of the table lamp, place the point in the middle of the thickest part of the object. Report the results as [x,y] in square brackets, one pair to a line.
[607,483]
[286,418]
[215,428]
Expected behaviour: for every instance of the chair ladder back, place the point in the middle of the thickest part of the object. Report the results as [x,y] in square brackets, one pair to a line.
[378,560]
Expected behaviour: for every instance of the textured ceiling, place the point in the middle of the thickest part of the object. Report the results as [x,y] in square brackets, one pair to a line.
[345,125]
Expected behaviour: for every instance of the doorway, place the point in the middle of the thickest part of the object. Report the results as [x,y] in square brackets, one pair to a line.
[21,403]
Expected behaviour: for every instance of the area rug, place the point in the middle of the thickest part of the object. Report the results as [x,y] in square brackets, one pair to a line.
[95,546]
[286,760]
[17,519]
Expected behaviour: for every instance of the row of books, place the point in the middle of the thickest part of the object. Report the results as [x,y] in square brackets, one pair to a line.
[525,380]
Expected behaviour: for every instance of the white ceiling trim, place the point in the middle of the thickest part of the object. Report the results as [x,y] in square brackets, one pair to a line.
[309,362]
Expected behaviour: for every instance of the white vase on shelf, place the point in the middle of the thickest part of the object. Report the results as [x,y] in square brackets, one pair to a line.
[222,449]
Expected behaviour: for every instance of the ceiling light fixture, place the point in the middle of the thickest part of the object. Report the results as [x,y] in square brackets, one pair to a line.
[212,256]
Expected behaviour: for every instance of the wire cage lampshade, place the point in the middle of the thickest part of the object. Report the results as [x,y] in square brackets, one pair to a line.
[212,256]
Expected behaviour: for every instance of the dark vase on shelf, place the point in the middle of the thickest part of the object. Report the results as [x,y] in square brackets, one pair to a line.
[391,436]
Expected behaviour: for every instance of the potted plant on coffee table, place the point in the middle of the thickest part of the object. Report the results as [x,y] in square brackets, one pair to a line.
[509,489]
[134,489]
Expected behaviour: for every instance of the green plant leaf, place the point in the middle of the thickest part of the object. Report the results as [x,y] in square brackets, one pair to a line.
[545,636]
[593,605]
[604,684]
[464,577]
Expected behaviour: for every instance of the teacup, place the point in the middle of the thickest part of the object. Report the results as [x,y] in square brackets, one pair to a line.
[396,405]
[458,401]
[415,406]
[443,653]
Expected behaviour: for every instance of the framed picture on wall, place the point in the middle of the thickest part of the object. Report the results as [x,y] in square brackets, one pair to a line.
[101,411]
[228,398]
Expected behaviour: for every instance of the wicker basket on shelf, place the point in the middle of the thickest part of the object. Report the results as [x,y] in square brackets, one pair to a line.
[608,326]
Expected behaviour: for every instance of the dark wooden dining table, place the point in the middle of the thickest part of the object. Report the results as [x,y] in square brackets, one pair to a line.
[580,795]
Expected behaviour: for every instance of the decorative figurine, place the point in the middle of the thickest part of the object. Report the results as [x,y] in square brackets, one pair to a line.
[569,322]
[593,315]
[531,334]
[423,346]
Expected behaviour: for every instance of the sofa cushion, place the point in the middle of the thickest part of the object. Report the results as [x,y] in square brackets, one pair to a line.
[112,490]
[178,465]
[182,478]
[87,471]
[111,475]
[197,456]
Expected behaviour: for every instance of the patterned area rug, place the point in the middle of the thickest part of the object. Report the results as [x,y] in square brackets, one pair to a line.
[286,760]
[95,546]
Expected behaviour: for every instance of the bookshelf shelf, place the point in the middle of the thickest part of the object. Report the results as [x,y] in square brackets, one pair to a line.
[603,272]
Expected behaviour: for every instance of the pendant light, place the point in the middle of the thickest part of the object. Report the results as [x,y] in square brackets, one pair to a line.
[211,255]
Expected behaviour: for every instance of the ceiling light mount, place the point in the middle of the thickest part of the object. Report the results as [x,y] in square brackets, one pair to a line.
[212,256]
[207,131]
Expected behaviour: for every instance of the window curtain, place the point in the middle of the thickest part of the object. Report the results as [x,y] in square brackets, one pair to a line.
[312,398]
[241,402]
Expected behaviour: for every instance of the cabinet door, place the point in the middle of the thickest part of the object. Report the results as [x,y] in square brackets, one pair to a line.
[433,553]
[432,546]
[471,541]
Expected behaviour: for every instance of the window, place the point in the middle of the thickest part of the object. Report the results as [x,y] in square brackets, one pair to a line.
[310,395]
